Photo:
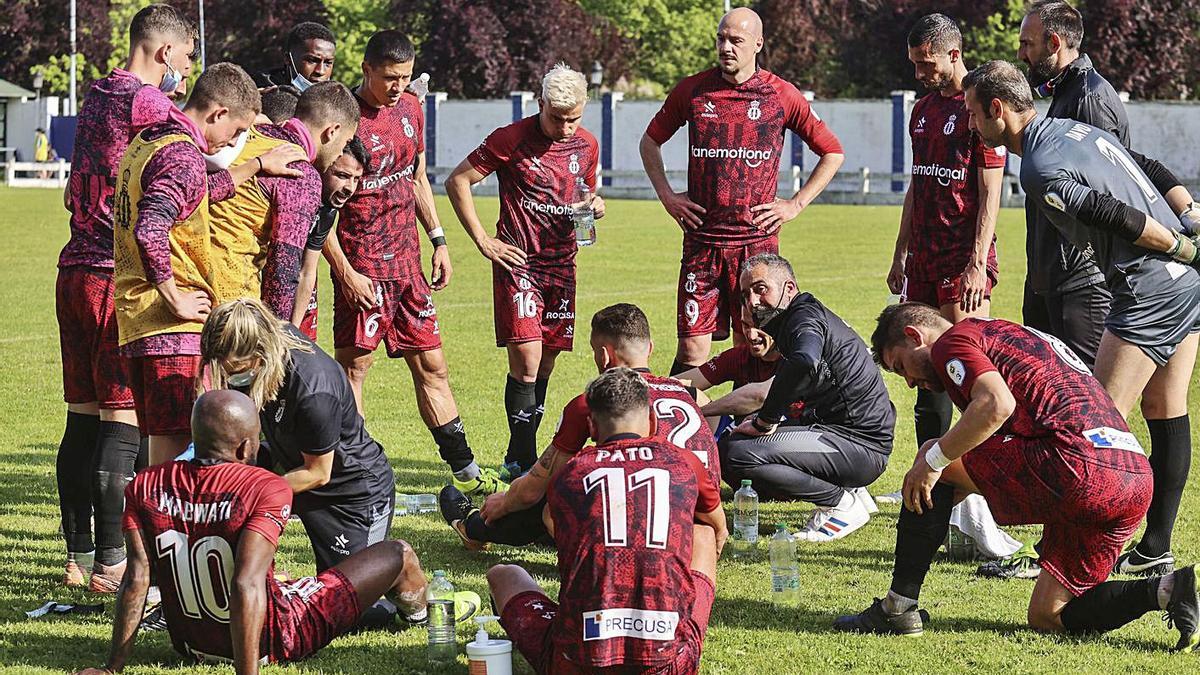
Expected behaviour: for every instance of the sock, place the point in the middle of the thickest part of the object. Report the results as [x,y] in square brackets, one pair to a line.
[1170,460]
[894,603]
[540,387]
[917,540]
[451,439]
[678,367]
[143,458]
[932,413]
[116,455]
[847,501]
[469,472]
[1110,605]
[520,406]
[1166,584]
[74,483]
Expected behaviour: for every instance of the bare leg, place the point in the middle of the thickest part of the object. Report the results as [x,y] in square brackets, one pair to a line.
[356,362]
[1047,603]
[163,449]
[388,567]
[507,582]
[693,350]
[431,377]
[1124,370]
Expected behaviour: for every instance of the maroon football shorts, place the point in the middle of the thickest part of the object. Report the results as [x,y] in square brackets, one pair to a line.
[534,304]
[164,389]
[314,611]
[709,300]
[529,617]
[93,370]
[944,291]
[308,324]
[1088,510]
[403,318]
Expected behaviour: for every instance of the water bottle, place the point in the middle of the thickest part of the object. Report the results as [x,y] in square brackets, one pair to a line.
[785,571]
[420,86]
[582,216]
[745,521]
[442,645]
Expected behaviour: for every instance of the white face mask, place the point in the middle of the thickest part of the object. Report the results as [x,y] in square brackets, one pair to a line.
[242,380]
[220,160]
[299,81]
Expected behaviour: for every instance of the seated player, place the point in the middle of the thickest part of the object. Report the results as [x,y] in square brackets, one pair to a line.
[620,338]
[1042,441]
[843,437]
[639,528]
[184,520]
[338,184]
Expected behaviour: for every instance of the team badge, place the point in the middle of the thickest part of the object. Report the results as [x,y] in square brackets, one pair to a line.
[949,128]
[286,511]
[408,127]
[1055,202]
[524,284]
[573,167]
[754,112]
[690,284]
[956,370]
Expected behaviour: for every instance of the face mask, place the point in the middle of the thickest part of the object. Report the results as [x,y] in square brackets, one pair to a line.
[172,79]
[764,314]
[225,156]
[242,381]
[299,81]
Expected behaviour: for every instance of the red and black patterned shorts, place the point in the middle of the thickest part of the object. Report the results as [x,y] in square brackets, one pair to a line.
[164,389]
[531,305]
[945,291]
[403,318]
[708,299]
[1088,510]
[314,611]
[93,370]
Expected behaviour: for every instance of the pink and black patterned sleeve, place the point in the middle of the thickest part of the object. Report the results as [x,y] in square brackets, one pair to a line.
[294,208]
[220,186]
[173,183]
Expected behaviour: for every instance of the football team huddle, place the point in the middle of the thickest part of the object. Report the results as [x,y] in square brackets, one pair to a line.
[202,416]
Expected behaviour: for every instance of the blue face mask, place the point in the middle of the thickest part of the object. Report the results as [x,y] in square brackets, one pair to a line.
[242,381]
[299,81]
[172,78]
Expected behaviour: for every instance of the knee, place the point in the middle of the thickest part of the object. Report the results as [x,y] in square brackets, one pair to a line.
[1044,619]
[497,574]
[693,350]
[356,368]
[433,371]
[1162,407]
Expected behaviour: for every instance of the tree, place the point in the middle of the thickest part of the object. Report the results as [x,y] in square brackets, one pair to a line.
[671,39]
[354,22]
[1146,48]
[32,32]
[250,34]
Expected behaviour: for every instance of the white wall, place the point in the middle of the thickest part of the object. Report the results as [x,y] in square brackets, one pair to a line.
[24,118]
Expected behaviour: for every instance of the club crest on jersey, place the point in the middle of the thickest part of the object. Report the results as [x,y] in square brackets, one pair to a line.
[625,622]
[524,284]
[956,370]
[710,110]
[690,284]
[408,127]
[573,166]
[949,128]
[755,111]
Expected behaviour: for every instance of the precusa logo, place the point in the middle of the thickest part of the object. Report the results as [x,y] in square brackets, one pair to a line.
[943,174]
[646,624]
[753,158]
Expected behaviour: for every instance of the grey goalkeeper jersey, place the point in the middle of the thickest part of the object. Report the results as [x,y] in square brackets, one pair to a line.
[1062,162]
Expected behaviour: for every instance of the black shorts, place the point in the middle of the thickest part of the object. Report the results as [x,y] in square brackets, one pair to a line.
[339,527]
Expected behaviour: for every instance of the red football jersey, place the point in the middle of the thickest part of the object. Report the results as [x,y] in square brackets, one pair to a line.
[947,158]
[735,139]
[1056,395]
[676,417]
[378,226]
[739,366]
[191,516]
[623,516]
[538,184]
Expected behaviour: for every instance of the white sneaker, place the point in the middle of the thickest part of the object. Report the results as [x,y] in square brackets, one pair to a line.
[865,497]
[890,498]
[836,522]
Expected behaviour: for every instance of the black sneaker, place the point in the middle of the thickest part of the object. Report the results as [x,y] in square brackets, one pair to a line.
[1183,609]
[1132,562]
[456,508]
[874,620]
[1021,565]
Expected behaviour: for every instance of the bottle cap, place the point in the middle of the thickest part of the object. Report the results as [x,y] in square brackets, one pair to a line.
[746,482]
[439,573]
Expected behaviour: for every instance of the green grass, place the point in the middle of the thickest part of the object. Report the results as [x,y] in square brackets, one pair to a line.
[841,254]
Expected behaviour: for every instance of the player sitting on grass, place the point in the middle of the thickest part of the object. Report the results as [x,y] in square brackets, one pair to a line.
[639,528]
[620,338]
[208,528]
[1042,441]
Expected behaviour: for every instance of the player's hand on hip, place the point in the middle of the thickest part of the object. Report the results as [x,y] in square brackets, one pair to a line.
[493,508]
[359,290]
[275,161]
[895,277]
[772,216]
[504,255]
[597,207]
[685,211]
[192,306]
[441,268]
[972,287]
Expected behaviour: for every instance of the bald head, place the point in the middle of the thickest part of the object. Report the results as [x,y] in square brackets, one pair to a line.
[745,19]
[225,426]
[739,39]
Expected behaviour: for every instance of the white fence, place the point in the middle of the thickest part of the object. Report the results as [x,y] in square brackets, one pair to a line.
[37,174]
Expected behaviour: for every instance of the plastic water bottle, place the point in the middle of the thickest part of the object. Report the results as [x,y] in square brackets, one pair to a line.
[745,521]
[442,645]
[420,86]
[582,216]
[785,571]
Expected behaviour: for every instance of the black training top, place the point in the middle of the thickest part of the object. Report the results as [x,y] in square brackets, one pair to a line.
[322,224]
[827,365]
[314,413]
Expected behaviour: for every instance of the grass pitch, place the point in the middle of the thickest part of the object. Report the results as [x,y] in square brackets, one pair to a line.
[841,255]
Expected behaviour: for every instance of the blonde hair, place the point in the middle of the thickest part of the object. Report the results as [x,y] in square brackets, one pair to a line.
[564,88]
[244,329]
